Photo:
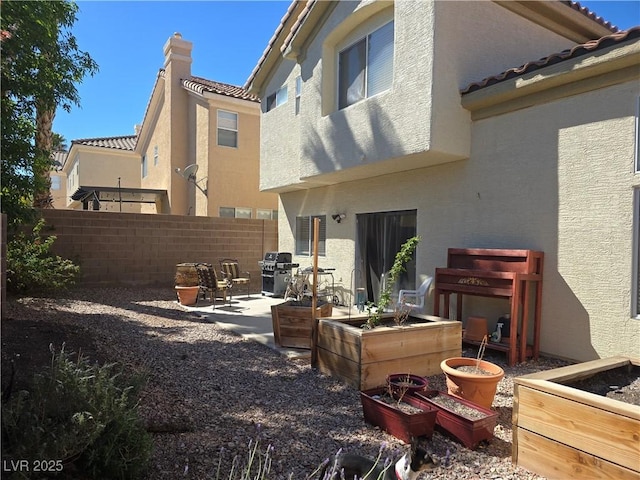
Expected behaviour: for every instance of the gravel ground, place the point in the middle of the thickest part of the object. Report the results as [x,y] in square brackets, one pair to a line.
[210,391]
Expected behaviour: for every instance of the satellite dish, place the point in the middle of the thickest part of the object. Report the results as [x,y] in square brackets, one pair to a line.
[189,172]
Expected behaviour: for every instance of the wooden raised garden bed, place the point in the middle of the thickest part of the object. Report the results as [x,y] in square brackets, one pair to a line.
[564,432]
[292,323]
[364,358]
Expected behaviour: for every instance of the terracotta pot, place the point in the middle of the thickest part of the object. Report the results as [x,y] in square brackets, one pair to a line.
[396,422]
[479,388]
[476,329]
[407,382]
[187,295]
[461,419]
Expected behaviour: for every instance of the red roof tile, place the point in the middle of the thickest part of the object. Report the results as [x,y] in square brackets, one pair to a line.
[577,51]
[588,13]
[127,142]
[202,85]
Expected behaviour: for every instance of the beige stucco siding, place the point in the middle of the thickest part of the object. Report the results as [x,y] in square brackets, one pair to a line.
[558,178]
[419,121]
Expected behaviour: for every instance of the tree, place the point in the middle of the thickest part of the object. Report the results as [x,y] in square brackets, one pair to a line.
[39,67]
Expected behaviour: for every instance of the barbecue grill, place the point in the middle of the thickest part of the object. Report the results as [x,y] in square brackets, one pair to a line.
[276,273]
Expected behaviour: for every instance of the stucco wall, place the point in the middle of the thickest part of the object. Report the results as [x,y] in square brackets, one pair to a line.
[137,249]
[557,178]
[419,122]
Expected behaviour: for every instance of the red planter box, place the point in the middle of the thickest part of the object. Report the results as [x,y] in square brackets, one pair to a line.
[468,431]
[395,422]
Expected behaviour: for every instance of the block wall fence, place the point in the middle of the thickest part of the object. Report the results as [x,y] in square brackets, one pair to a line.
[120,249]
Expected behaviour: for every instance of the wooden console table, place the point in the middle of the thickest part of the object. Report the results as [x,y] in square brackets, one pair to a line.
[496,273]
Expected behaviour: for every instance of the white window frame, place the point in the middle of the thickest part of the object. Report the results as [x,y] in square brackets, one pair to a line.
[304,235]
[635,287]
[143,166]
[366,39]
[227,129]
[298,93]
[279,97]
[266,214]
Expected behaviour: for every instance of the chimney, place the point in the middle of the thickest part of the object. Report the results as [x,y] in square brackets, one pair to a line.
[177,57]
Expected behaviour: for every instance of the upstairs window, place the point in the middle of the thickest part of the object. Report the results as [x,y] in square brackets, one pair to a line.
[227,129]
[55,182]
[298,93]
[155,155]
[366,67]
[278,98]
[304,235]
[144,166]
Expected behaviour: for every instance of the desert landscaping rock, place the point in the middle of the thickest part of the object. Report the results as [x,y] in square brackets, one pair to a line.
[210,392]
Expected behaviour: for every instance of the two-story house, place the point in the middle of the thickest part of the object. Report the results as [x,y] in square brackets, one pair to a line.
[459,122]
[196,152]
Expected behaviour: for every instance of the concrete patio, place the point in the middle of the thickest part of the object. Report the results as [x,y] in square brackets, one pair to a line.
[251,318]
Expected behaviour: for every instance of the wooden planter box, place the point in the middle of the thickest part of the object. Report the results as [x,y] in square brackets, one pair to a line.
[564,432]
[396,422]
[469,430]
[364,358]
[292,323]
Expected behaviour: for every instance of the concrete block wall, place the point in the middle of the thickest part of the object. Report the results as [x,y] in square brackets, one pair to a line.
[115,249]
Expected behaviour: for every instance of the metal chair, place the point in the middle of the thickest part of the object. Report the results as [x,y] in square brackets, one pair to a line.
[231,270]
[416,297]
[209,283]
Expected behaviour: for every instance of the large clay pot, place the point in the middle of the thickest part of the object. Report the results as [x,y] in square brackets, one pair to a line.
[187,295]
[479,388]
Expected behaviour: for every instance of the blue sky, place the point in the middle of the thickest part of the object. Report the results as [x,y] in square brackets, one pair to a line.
[126,39]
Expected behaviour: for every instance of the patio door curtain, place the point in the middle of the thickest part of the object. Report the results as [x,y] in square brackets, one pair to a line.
[379,237]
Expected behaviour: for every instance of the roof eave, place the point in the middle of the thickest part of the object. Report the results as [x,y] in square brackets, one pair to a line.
[612,65]
[272,53]
[561,18]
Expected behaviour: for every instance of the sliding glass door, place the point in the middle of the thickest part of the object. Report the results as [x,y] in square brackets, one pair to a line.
[379,237]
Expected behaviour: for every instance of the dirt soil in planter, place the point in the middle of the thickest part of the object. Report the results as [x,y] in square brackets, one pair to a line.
[621,384]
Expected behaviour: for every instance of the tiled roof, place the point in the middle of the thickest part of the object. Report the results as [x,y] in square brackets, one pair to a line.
[59,157]
[588,13]
[201,85]
[577,51]
[272,41]
[127,142]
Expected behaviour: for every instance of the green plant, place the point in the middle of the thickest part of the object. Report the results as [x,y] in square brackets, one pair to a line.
[31,266]
[403,256]
[81,416]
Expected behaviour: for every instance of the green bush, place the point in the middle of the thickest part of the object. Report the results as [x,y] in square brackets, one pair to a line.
[31,266]
[84,416]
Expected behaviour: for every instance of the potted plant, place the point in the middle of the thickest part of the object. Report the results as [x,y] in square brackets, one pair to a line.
[376,312]
[473,379]
[406,381]
[187,283]
[465,421]
[363,350]
[398,413]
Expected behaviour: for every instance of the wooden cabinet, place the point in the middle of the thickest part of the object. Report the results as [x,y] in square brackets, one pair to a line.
[515,275]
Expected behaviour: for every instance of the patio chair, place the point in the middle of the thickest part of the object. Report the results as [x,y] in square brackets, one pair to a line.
[414,299]
[209,283]
[231,270]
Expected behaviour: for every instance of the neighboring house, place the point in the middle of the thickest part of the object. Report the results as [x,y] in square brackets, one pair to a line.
[389,131]
[58,180]
[196,152]
[99,172]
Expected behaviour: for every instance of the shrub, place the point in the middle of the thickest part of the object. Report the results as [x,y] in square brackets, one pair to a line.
[31,266]
[82,415]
